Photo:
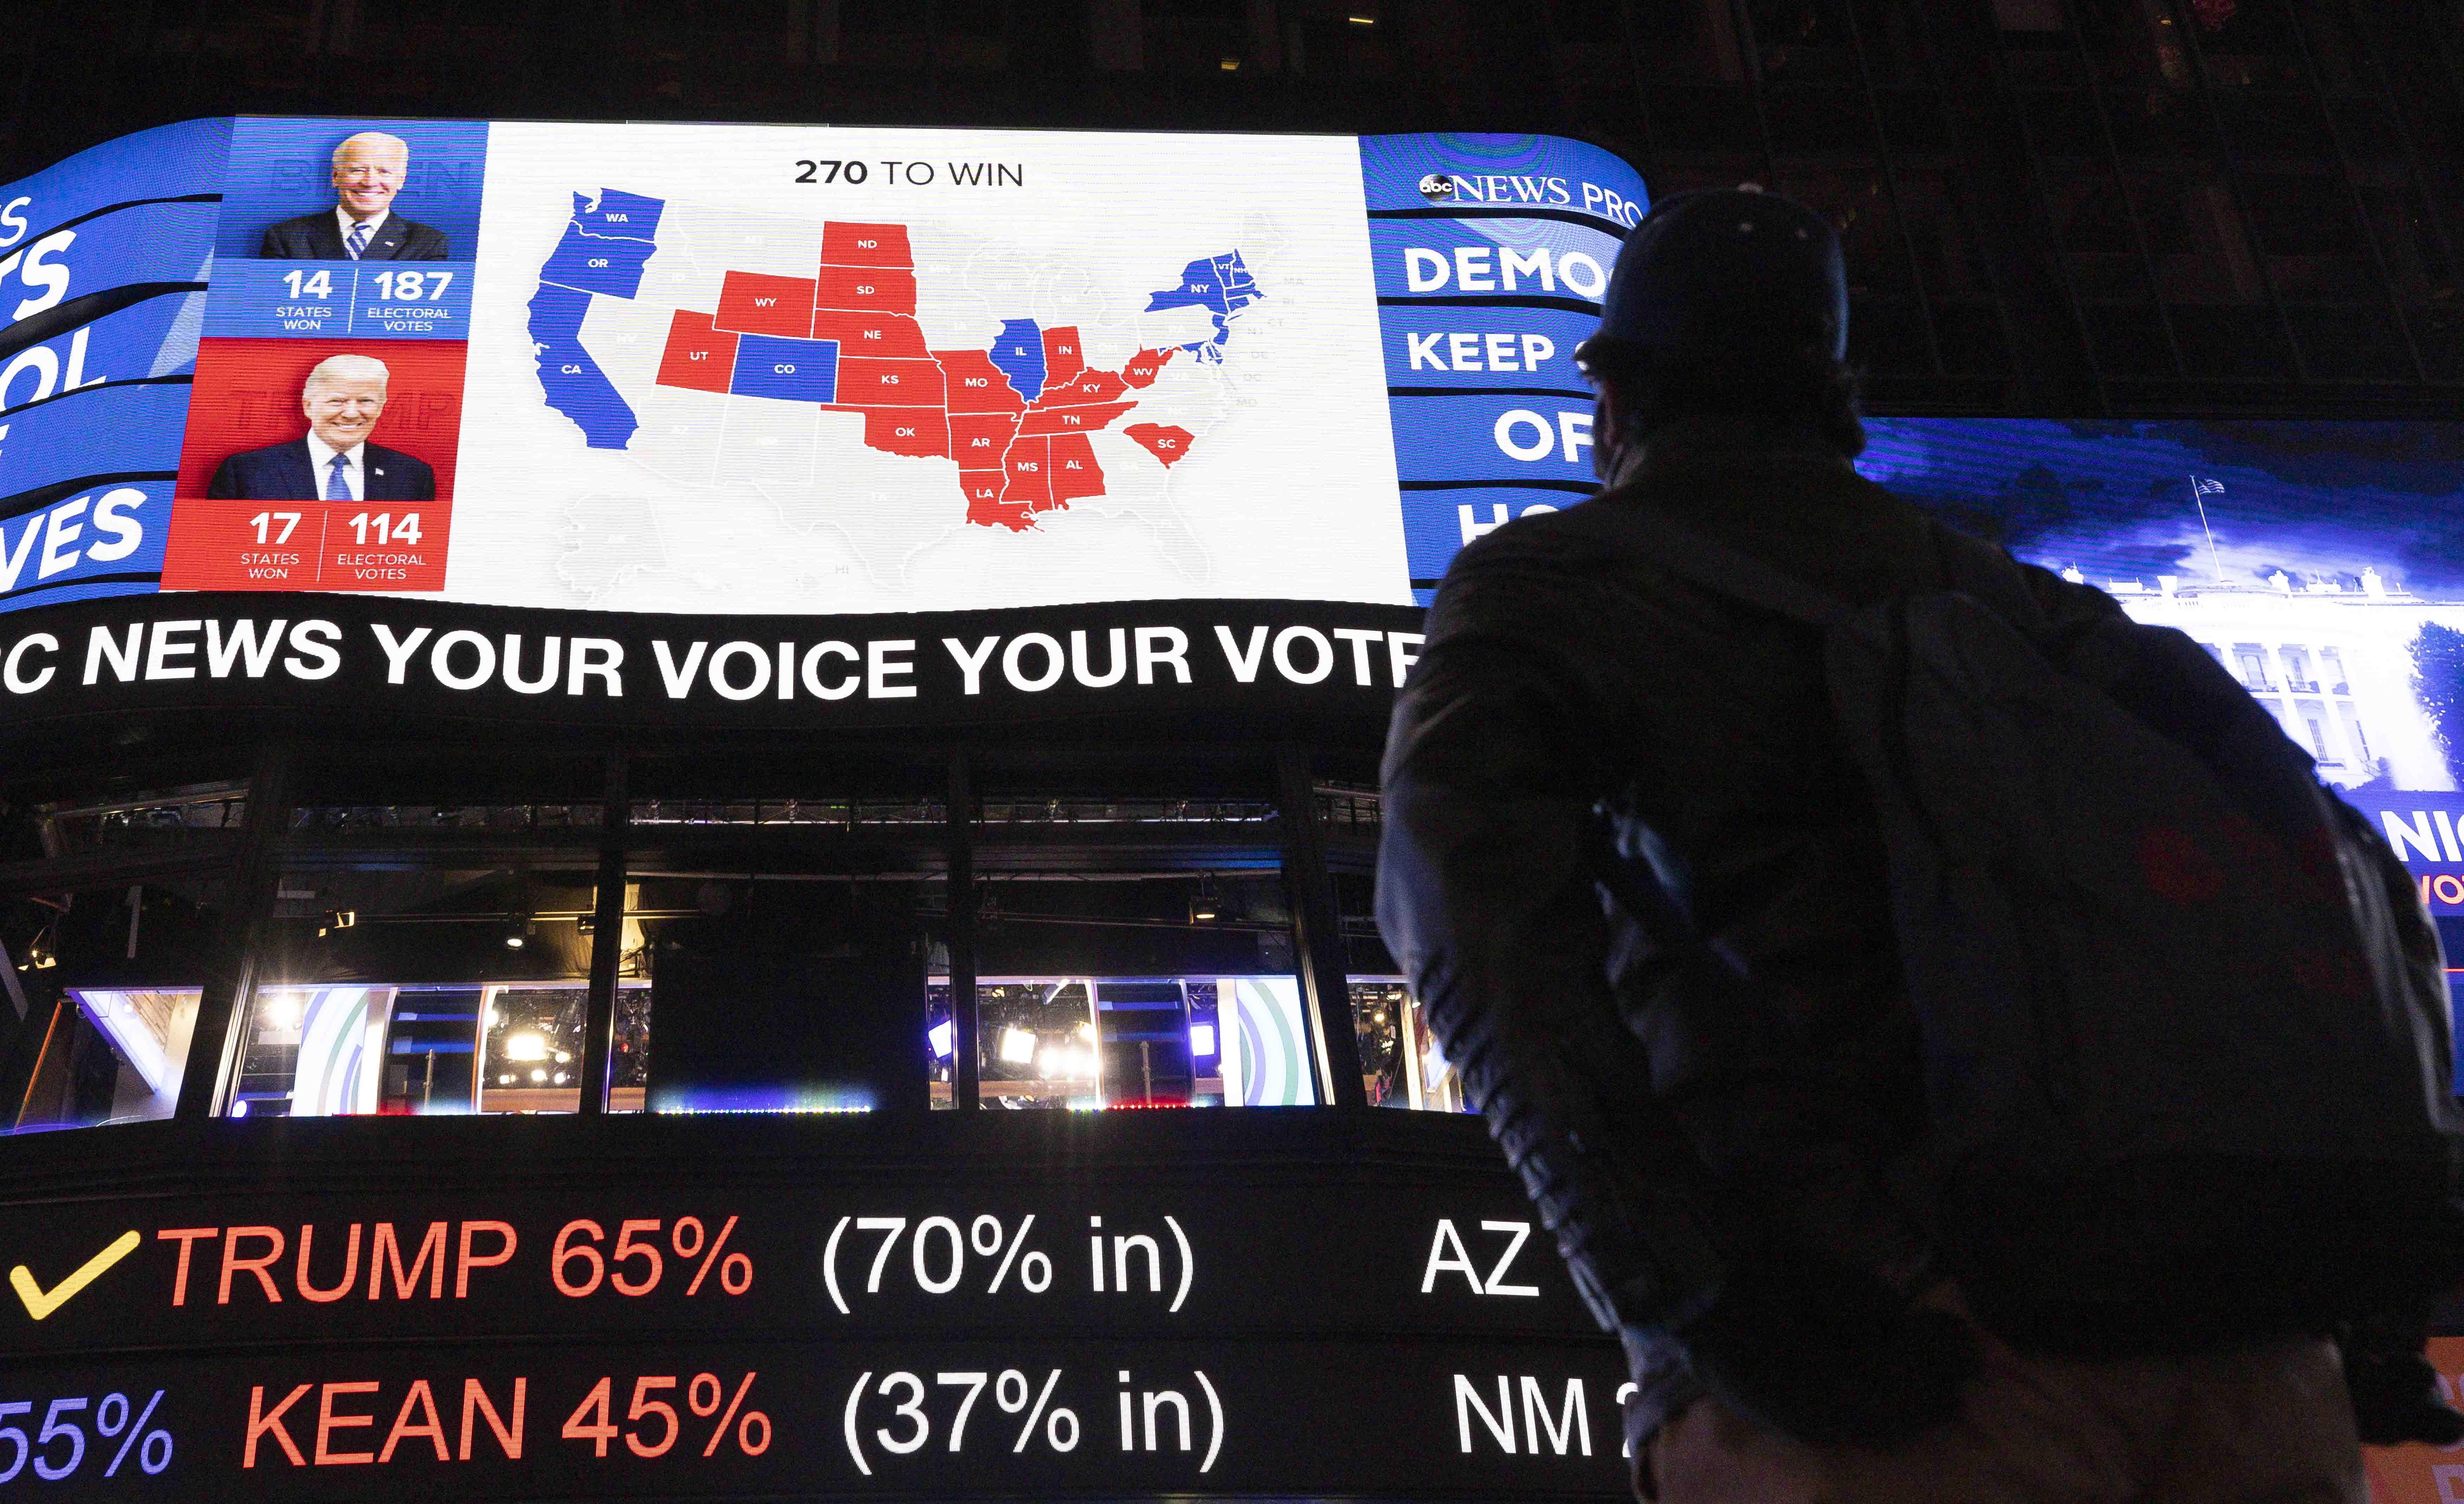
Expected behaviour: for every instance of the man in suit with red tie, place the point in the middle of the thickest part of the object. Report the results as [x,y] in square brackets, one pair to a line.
[368,171]
[342,399]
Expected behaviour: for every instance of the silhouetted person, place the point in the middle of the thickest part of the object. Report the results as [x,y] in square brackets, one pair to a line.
[1659,879]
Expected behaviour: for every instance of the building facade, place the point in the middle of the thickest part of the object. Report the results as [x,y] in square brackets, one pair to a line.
[325,974]
[2052,207]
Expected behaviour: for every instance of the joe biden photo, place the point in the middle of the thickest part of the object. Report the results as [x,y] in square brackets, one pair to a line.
[368,170]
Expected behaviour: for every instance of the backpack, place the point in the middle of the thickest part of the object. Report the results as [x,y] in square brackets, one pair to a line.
[2186,1031]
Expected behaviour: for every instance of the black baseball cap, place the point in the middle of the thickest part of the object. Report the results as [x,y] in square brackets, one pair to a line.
[1725,276]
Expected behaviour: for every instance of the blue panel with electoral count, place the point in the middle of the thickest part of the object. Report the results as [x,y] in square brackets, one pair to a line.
[327,299]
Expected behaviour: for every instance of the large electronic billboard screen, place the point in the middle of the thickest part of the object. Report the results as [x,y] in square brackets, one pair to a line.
[804,427]
[801,370]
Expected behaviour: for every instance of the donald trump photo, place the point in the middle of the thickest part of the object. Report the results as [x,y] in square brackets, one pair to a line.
[342,399]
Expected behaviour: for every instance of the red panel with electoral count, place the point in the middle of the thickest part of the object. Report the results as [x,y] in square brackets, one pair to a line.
[250,511]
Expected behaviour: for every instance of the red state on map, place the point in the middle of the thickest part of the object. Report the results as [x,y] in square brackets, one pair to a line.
[983,489]
[1041,419]
[901,402]
[1145,367]
[868,383]
[1016,459]
[1062,362]
[1074,471]
[1166,442]
[698,357]
[976,385]
[977,440]
[1027,488]
[893,336]
[916,433]
[1087,387]
[750,303]
[848,244]
[867,289]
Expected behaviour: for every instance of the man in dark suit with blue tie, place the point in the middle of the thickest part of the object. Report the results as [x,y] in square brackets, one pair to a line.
[342,399]
[368,171]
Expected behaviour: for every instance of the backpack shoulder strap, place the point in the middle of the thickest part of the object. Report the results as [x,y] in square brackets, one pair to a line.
[1653,535]
[1989,577]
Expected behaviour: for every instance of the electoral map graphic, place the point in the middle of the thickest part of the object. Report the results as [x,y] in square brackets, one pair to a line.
[1015,417]
[1074,370]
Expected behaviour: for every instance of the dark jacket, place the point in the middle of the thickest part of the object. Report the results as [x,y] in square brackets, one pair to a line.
[1559,671]
[283,472]
[316,238]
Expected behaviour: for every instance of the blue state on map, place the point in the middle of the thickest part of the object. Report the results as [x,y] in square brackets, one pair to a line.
[1024,453]
[592,265]
[789,371]
[1222,286]
[619,215]
[1018,354]
[606,245]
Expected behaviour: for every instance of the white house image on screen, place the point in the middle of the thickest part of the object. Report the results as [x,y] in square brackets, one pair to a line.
[2333,664]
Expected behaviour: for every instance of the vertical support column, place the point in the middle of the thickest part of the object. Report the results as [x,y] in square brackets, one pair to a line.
[606,940]
[231,992]
[966,1056]
[1317,935]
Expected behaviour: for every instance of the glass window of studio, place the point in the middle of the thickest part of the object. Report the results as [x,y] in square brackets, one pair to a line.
[424,993]
[1134,989]
[1130,1041]
[99,998]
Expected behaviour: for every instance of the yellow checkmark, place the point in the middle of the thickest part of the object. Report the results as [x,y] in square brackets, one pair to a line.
[40,1304]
